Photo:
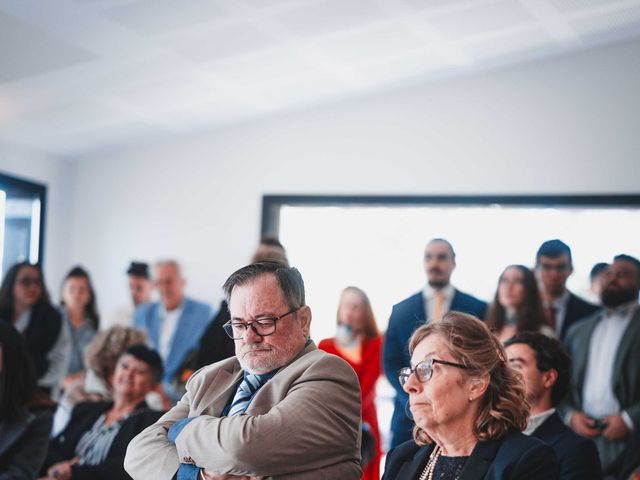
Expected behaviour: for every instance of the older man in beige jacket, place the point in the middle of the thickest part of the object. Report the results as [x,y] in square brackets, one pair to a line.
[279,409]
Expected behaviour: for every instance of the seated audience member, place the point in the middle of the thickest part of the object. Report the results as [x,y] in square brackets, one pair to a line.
[140,288]
[434,300]
[280,408]
[597,277]
[94,443]
[174,325]
[469,409]
[25,412]
[604,401]
[554,265]
[516,306]
[80,313]
[545,365]
[100,358]
[215,344]
[24,303]
[358,341]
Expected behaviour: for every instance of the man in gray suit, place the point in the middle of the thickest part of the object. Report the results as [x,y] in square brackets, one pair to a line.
[604,402]
[279,409]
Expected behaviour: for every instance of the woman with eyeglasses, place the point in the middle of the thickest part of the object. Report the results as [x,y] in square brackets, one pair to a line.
[24,303]
[358,342]
[469,409]
[517,306]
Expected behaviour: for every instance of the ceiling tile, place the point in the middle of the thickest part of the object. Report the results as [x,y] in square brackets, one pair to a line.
[481,19]
[27,50]
[159,16]
[330,16]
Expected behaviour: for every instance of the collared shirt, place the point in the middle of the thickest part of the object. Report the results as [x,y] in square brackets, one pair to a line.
[560,306]
[168,326]
[429,294]
[599,399]
[536,420]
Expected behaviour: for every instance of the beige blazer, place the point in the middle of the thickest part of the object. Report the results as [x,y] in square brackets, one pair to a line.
[304,423]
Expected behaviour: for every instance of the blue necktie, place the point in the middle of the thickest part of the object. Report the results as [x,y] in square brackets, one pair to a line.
[249,386]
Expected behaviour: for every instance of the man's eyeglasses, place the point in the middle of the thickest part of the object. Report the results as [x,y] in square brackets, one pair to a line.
[423,370]
[263,326]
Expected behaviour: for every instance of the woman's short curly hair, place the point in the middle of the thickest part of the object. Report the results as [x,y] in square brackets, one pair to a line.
[101,355]
[503,407]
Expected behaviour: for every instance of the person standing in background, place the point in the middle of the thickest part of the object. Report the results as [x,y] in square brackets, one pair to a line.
[359,342]
[140,289]
[431,303]
[554,265]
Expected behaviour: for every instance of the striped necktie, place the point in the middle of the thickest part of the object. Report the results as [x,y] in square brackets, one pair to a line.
[249,386]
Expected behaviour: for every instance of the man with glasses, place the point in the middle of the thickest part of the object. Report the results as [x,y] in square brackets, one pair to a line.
[553,268]
[280,408]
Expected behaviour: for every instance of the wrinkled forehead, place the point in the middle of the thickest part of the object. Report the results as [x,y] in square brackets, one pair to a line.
[433,345]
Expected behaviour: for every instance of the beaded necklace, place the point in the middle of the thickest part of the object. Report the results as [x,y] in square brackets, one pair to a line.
[427,474]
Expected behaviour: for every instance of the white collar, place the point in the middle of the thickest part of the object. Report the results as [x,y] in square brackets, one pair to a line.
[536,420]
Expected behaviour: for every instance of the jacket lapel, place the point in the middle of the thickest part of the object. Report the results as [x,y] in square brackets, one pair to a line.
[222,386]
[480,460]
[630,337]
[11,431]
[412,469]
[581,350]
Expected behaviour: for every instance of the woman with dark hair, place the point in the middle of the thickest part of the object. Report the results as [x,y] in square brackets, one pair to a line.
[94,443]
[25,412]
[81,315]
[469,410]
[517,306]
[24,303]
[359,342]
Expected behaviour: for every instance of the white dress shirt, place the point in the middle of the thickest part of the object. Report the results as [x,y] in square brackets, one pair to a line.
[429,294]
[599,399]
[169,323]
[536,420]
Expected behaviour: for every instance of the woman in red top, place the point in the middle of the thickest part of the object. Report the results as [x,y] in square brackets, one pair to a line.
[359,342]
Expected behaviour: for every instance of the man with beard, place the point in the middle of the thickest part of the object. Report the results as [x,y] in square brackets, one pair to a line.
[604,402]
[430,304]
[280,408]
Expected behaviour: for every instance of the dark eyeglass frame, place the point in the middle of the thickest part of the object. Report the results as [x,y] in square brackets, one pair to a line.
[29,281]
[424,370]
[264,322]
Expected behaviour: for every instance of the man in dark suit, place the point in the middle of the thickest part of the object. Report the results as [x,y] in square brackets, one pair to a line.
[436,299]
[545,366]
[604,401]
[553,268]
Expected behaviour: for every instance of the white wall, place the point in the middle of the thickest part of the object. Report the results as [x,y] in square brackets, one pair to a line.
[56,174]
[563,125]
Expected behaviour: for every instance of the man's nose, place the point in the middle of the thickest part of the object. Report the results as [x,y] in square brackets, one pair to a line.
[251,336]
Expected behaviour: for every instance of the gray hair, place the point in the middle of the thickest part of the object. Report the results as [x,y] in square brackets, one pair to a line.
[288,278]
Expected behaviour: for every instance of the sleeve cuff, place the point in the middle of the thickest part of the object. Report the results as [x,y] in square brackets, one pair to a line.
[177,427]
[187,472]
[626,418]
[567,417]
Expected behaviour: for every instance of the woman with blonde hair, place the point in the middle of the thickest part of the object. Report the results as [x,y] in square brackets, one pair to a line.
[469,410]
[359,342]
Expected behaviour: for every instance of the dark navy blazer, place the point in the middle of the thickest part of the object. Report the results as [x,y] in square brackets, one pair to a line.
[578,456]
[406,316]
[516,456]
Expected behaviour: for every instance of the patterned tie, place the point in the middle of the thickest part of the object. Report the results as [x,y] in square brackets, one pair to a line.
[245,392]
